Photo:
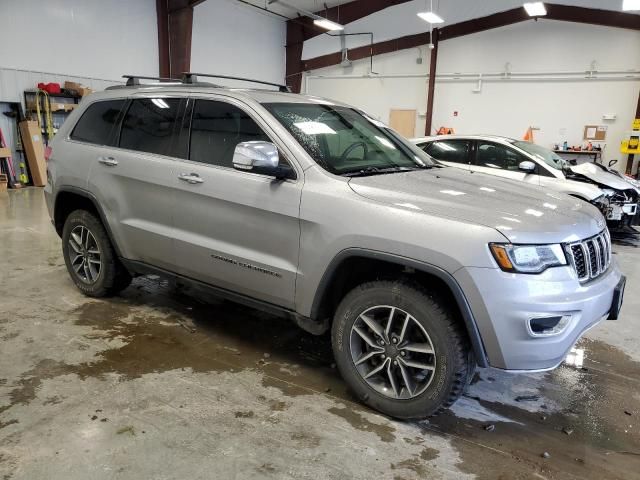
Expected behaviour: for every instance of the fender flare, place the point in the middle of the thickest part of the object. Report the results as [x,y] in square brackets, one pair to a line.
[461,300]
[92,198]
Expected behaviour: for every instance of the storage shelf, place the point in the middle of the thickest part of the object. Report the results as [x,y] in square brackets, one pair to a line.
[57,95]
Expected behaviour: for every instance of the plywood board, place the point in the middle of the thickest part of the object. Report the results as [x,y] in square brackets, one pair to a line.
[403,122]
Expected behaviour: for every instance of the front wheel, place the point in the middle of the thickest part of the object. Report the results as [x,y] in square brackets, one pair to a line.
[400,350]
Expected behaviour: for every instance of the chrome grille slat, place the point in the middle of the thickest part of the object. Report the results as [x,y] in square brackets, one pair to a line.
[590,257]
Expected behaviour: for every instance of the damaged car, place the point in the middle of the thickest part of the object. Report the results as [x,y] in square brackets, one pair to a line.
[614,195]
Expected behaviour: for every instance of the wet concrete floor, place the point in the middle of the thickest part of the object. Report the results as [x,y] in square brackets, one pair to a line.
[162,384]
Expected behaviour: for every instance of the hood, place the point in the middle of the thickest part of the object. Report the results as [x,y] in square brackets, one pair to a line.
[599,175]
[522,213]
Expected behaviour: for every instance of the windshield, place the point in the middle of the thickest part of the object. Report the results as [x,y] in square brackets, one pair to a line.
[344,141]
[547,156]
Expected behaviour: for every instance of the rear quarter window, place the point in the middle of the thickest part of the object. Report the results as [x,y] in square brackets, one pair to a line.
[97,124]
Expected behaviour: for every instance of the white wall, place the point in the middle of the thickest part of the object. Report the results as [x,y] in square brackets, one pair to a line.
[230,38]
[375,95]
[560,109]
[91,38]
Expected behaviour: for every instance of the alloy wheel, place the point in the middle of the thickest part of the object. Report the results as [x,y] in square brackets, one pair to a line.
[84,254]
[392,352]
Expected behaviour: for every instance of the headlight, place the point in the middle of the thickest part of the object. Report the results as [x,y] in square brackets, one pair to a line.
[527,258]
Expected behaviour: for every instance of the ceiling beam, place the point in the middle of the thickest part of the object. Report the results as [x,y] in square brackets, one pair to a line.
[593,16]
[344,14]
[496,20]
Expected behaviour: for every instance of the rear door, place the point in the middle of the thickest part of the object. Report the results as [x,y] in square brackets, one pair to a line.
[236,230]
[500,160]
[454,152]
[134,180]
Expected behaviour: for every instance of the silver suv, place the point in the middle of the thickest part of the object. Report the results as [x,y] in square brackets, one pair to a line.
[311,209]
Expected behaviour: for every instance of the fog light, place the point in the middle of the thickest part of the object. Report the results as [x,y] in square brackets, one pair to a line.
[547,326]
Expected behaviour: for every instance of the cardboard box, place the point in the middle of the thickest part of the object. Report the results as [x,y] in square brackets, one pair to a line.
[3,183]
[5,152]
[81,89]
[34,150]
[57,106]
[72,86]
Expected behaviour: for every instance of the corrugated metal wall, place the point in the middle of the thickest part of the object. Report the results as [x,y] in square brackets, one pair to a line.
[14,82]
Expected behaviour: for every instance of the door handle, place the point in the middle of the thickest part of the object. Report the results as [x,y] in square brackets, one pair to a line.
[108,161]
[191,178]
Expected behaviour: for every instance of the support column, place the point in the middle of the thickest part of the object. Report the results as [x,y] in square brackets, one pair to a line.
[175,23]
[294,63]
[432,81]
[162,14]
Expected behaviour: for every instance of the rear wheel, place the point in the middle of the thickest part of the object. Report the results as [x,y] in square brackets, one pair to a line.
[90,258]
[400,350]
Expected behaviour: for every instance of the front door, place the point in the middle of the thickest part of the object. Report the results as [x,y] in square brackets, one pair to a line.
[236,230]
[451,152]
[500,160]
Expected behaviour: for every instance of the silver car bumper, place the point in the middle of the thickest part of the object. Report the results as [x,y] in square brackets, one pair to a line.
[503,305]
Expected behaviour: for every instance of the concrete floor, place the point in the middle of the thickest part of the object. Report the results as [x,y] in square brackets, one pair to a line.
[157,384]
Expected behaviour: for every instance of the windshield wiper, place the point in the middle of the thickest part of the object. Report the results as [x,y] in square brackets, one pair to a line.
[363,172]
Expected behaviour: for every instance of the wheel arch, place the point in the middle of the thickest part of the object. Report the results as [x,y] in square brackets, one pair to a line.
[68,199]
[348,264]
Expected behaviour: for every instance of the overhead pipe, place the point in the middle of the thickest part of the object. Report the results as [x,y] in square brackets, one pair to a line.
[479,78]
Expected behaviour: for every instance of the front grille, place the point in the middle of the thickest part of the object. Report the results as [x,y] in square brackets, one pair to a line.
[591,257]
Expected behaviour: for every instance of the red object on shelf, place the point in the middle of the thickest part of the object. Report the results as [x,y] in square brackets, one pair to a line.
[50,87]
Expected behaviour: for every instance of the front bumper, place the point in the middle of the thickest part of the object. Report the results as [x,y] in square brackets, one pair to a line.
[503,303]
[616,211]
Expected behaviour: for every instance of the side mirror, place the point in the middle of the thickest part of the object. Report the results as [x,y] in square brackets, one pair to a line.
[612,162]
[260,157]
[527,166]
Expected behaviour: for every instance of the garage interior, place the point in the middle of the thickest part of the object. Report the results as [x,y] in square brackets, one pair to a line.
[164,382]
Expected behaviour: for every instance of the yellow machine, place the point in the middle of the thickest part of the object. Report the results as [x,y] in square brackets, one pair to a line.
[631,142]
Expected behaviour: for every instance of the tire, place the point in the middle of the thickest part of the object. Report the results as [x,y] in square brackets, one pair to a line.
[104,275]
[429,321]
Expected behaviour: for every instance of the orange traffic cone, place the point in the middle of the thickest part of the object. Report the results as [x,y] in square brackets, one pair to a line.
[528,137]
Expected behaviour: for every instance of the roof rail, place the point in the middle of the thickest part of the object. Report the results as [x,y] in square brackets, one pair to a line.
[133,80]
[189,77]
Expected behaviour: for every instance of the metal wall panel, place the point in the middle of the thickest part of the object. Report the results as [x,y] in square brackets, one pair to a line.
[13,83]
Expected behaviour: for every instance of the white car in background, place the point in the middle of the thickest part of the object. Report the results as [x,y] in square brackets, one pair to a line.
[519,160]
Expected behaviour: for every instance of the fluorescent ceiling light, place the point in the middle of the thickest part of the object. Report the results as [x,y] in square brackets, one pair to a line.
[535,9]
[430,17]
[628,5]
[328,24]
[160,103]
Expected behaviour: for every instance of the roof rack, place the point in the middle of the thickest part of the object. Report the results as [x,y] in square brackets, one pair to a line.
[133,80]
[191,78]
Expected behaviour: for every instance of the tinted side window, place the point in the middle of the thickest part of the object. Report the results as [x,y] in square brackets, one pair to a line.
[494,155]
[149,124]
[97,122]
[455,151]
[216,129]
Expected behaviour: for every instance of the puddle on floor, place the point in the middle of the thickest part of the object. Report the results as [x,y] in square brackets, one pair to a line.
[585,419]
